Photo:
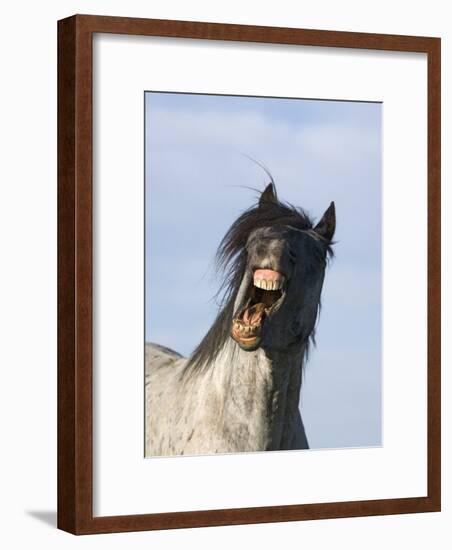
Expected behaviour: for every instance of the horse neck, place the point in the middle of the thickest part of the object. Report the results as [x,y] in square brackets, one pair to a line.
[259,391]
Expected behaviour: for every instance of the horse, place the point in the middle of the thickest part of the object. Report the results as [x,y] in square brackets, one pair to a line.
[240,389]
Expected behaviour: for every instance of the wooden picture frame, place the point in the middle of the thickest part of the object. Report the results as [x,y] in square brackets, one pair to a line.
[75,274]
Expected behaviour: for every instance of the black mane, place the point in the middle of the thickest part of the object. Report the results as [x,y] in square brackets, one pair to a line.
[231,260]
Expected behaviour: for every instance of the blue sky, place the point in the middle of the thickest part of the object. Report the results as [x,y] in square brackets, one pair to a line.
[197,183]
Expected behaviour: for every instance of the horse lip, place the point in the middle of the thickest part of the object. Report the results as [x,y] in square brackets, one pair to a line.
[251,343]
[247,344]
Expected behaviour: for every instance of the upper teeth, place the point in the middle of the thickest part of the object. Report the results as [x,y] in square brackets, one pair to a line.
[267,284]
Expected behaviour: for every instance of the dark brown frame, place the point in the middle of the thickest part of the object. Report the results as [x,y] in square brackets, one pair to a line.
[75,442]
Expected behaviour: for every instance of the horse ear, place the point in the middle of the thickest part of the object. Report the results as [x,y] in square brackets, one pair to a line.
[327,225]
[268,195]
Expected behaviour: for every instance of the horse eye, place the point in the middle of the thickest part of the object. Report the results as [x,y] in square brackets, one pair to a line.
[292,256]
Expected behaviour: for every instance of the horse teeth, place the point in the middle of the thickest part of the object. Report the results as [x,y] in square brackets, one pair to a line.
[266,284]
[269,285]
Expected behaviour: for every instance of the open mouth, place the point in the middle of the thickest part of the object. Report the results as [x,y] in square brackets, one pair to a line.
[263,297]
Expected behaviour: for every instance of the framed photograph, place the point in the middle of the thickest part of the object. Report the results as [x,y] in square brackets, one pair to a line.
[249,274]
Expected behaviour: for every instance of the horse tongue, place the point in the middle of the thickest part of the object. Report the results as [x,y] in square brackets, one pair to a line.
[253,315]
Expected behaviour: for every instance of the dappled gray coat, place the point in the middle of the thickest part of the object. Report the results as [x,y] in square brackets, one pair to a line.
[240,390]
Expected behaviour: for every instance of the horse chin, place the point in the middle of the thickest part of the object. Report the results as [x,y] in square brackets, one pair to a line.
[246,344]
